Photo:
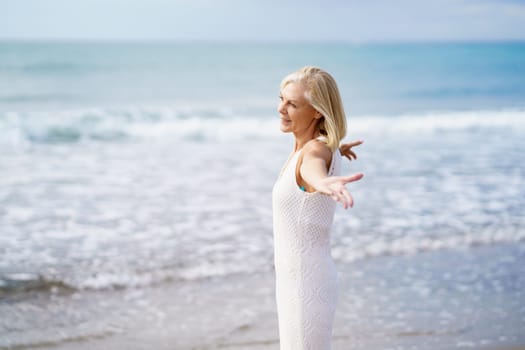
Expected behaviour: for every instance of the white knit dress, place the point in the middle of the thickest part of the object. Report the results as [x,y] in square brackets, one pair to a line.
[306,279]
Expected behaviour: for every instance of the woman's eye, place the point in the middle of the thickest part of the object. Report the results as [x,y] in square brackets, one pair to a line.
[293,105]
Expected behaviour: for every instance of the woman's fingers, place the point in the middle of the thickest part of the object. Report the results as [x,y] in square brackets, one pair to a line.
[341,198]
[335,188]
[352,144]
[355,143]
[341,195]
[352,178]
[350,155]
[349,201]
[346,149]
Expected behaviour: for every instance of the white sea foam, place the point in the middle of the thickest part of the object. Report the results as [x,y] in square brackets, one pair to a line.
[407,245]
[229,265]
[219,124]
[117,198]
[441,121]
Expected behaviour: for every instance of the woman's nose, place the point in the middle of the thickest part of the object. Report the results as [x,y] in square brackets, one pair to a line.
[280,108]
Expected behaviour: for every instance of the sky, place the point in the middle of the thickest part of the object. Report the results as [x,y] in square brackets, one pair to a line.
[264,20]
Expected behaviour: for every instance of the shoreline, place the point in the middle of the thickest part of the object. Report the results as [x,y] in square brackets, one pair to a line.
[422,301]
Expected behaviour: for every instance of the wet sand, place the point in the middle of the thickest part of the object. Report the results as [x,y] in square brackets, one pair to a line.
[438,300]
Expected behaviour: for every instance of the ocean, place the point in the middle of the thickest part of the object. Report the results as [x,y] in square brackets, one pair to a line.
[129,169]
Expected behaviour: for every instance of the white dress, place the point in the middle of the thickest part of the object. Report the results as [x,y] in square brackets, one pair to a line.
[306,279]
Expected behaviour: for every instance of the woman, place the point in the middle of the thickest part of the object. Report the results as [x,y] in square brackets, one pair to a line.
[304,200]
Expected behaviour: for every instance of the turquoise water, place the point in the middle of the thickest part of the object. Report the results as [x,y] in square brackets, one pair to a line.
[127,166]
[377,78]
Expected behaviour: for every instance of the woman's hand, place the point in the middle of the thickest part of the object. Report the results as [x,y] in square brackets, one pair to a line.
[335,187]
[313,171]
[346,149]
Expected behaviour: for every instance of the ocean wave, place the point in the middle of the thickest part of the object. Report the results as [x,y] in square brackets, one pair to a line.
[15,283]
[408,245]
[27,282]
[132,124]
[438,121]
[11,284]
[219,124]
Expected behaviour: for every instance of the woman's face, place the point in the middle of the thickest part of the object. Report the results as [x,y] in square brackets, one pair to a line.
[297,114]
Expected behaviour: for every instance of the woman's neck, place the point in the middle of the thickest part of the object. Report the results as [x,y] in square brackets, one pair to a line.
[301,140]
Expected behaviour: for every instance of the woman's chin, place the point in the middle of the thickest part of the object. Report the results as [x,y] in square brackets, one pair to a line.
[285,128]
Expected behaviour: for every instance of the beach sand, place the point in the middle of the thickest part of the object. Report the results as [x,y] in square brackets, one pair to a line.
[450,299]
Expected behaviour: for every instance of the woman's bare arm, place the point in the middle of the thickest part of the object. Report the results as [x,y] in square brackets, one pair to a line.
[314,171]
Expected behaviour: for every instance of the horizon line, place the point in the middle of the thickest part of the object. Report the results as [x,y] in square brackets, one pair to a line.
[256,41]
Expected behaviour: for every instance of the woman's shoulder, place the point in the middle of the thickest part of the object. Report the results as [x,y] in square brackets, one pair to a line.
[317,148]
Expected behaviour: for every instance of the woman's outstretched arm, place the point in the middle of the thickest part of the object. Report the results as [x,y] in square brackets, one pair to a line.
[314,172]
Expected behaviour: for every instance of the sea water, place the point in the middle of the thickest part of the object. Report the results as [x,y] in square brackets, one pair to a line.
[125,166]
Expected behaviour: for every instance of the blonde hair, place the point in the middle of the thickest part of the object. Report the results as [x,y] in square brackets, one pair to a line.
[323,95]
